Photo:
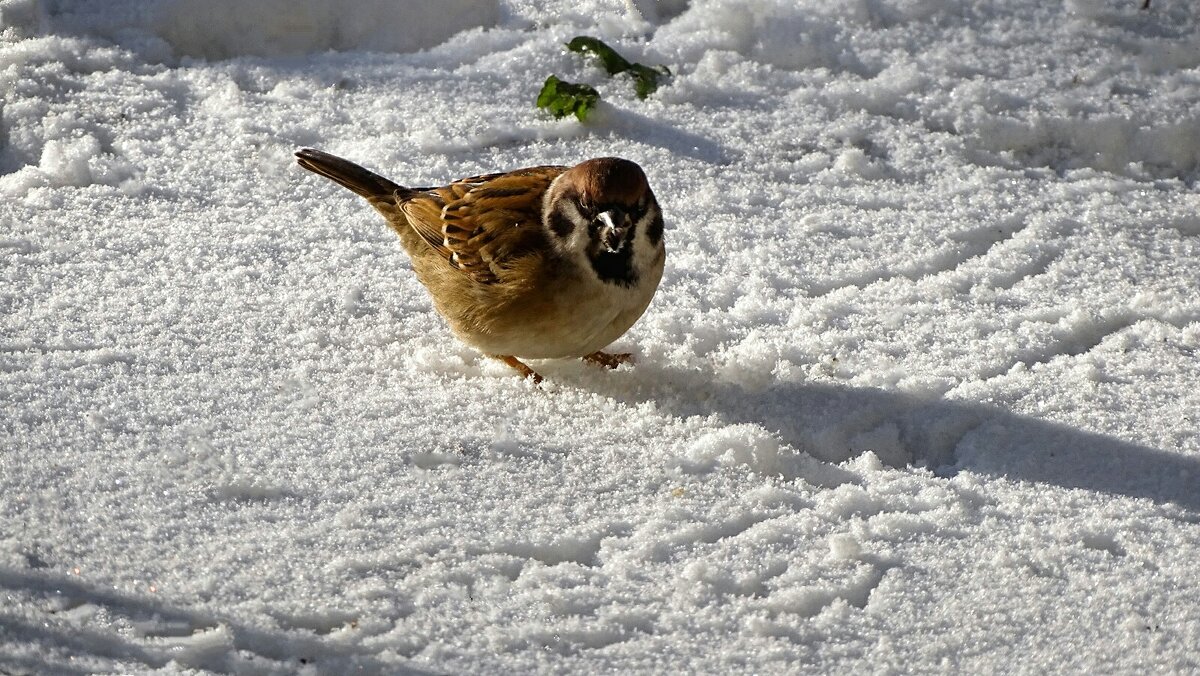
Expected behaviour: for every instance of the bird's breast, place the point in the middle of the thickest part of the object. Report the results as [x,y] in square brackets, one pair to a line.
[576,316]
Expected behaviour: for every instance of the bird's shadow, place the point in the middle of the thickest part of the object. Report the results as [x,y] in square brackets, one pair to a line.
[832,423]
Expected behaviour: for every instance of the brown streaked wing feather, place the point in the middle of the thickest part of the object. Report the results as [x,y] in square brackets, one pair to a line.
[423,211]
[497,219]
[422,208]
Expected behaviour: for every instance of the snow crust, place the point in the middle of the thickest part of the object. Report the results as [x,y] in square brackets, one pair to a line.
[918,392]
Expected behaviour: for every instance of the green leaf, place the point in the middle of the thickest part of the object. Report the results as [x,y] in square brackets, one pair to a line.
[563,98]
[549,92]
[613,62]
[645,78]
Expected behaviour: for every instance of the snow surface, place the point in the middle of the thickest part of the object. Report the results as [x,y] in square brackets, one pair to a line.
[918,392]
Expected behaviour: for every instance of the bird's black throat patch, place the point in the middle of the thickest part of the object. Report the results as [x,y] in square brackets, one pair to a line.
[615,267]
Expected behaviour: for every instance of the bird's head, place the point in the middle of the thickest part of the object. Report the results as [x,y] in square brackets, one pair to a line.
[603,210]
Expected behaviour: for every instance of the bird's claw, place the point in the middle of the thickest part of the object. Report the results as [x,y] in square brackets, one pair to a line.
[521,368]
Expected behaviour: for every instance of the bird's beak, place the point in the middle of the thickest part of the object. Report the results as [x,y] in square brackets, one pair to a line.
[616,226]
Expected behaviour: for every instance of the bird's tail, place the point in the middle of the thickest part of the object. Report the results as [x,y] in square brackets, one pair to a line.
[348,174]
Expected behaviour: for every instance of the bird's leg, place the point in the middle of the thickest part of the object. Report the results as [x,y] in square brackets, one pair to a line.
[524,370]
[607,360]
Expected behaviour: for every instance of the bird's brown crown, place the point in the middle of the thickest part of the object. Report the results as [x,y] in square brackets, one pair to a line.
[607,180]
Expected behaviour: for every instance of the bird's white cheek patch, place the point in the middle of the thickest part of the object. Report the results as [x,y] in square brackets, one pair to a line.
[645,252]
[643,223]
[578,241]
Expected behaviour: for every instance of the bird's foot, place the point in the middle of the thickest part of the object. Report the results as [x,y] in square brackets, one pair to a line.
[524,370]
[610,361]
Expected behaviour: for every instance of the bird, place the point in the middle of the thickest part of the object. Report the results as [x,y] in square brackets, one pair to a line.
[544,262]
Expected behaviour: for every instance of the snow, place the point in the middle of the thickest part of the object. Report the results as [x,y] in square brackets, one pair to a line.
[917,393]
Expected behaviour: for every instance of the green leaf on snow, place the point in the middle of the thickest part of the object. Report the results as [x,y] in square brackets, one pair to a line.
[645,78]
[563,98]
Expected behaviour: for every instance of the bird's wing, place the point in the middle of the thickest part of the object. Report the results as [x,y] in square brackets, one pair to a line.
[478,224]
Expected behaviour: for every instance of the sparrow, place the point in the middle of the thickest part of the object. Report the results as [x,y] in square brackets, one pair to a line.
[540,263]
